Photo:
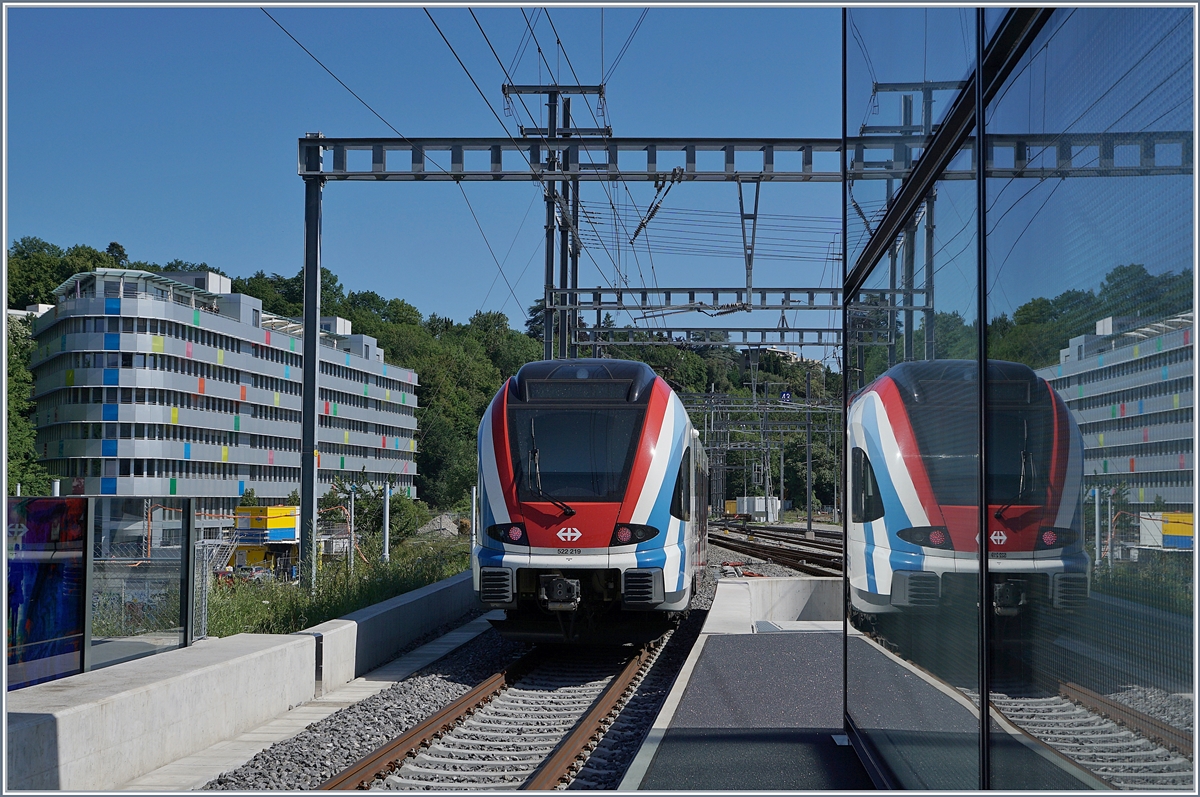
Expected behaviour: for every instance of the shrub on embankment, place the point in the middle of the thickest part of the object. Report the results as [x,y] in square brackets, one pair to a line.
[269,607]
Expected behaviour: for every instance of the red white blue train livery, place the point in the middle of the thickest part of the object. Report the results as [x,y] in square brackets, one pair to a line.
[913,485]
[593,502]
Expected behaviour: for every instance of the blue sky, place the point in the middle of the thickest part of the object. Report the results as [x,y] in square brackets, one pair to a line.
[173,131]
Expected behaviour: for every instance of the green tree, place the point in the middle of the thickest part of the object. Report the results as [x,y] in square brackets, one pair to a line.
[117,253]
[23,465]
[248,498]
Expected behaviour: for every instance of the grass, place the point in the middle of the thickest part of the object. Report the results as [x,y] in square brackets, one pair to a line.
[268,607]
[1164,583]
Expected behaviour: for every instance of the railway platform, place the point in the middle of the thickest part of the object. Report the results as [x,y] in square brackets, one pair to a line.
[758,706]
[728,724]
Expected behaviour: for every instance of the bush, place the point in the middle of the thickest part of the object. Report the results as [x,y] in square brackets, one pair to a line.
[270,607]
[1164,582]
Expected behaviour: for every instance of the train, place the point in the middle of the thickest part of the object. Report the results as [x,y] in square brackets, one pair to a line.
[913,481]
[593,503]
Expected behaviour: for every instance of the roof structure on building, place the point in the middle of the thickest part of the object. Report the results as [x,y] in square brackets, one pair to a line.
[1181,321]
[149,276]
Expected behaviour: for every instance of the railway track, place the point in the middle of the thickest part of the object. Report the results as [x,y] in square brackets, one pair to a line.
[820,559]
[526,727]
[1119,745]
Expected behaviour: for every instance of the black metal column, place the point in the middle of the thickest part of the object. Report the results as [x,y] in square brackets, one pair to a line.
[575,267]
[312,342]
[564,268]
[808,445]
[551,163]
[929,314]
[187,569]
[907,284]
[985,598]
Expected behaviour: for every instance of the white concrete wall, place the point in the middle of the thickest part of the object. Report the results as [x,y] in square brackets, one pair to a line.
[385,628]
[100,729]
[361,641]
[740,603]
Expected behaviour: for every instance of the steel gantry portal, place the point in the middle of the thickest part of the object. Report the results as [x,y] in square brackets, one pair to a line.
[572,155]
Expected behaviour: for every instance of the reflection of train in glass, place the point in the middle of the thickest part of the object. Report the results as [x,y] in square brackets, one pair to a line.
[913,487]
[593,502]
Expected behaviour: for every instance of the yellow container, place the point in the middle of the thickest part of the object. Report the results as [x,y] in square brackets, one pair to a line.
[1178,524]
[731,507]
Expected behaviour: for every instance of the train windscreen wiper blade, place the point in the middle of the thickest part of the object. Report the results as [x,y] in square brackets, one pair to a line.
[535,455]
[999,514]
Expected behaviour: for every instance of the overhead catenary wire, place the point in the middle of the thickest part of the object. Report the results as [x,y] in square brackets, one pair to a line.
[533,34]
[407,139]
[633,249]
[508,77]
[625,47]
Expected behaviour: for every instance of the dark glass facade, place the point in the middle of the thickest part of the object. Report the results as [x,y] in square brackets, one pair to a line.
[1019,396]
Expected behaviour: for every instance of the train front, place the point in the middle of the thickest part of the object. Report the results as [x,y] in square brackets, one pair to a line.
[579,461]
[913,479]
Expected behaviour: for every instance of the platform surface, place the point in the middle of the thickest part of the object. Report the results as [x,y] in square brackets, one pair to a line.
[760,712]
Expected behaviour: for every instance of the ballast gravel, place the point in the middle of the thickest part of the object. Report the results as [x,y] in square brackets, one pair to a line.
[327,747]
[1177,710]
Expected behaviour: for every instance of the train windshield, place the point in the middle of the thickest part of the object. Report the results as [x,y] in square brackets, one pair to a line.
[1020,433]
[577,453]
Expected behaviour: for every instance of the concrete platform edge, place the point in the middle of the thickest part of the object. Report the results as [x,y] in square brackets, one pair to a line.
[194,771]
[645,755]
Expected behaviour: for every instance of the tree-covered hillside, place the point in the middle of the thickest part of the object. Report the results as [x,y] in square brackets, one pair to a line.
[461,365]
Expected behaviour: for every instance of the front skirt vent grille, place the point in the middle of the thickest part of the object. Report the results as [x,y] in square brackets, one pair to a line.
[495,585]
[643,587]
[1070,590]
[915,588]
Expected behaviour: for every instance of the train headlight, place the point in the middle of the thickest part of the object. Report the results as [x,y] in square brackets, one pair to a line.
[1054,537]
[631,533]
[927,537]
[513,533]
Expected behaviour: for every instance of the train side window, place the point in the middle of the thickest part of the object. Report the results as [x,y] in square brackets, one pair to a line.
[681,500]
[867,505]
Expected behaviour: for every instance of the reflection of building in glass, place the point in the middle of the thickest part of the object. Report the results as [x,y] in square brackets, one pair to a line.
[172,385]
[1130,389]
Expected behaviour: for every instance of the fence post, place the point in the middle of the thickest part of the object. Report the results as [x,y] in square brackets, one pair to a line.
[89,543]
[187,573]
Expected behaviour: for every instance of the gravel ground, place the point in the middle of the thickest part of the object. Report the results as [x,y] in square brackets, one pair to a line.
[1177,710]
[718,555]
[327,747]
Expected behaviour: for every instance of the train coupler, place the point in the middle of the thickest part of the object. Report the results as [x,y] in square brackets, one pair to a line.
[559,594]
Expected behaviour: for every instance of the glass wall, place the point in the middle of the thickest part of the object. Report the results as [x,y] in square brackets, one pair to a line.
[912,657]
[46,576]
[141,556]
[1069,444]
[1089,285]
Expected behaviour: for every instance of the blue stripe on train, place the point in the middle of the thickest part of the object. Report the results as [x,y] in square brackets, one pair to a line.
[901,553]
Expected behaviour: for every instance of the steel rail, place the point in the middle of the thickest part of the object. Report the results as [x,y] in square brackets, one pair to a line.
[1150,727]
[557,767]
[360,774]
[792,539]
[820,565]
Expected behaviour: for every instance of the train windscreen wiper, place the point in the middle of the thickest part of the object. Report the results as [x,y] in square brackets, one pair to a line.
[999,514]
[534,455]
